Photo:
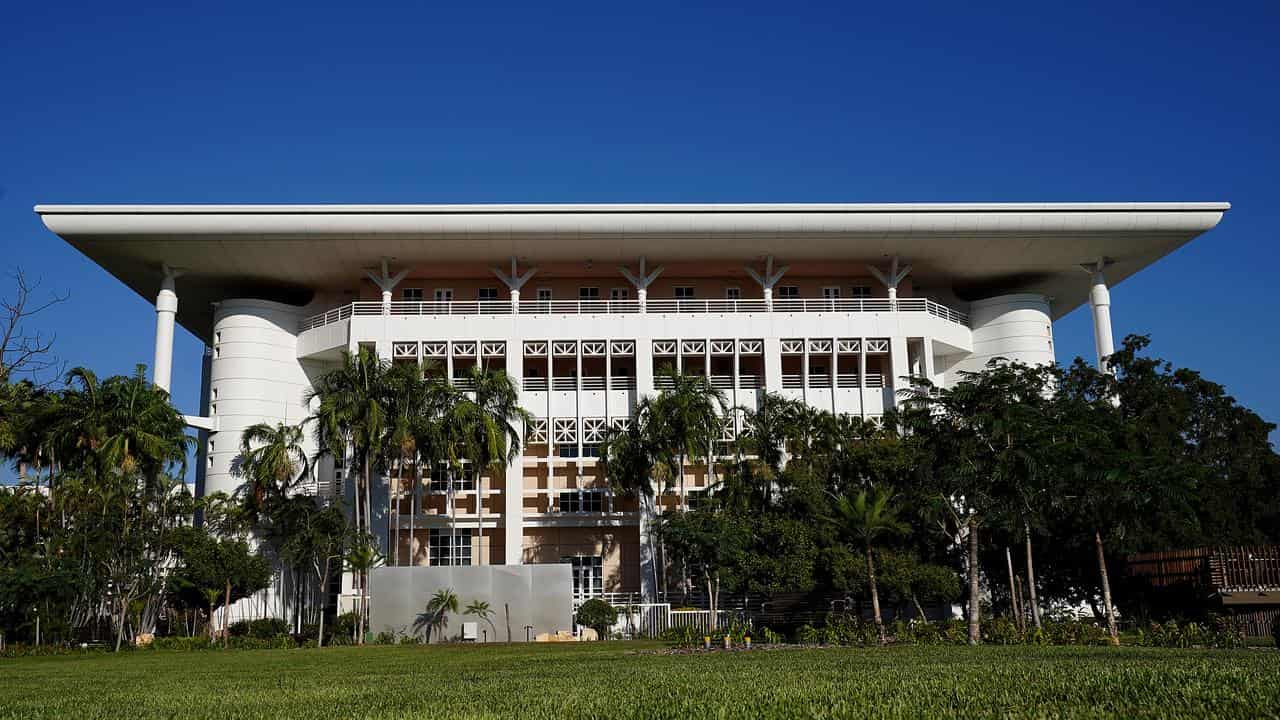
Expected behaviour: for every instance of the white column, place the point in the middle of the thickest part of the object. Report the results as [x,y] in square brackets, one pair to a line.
[926,359]
[862,376]
[898,365]
[643,359]
[166,311]
[767,280]
[1100,302]
[641,281]
[513,488]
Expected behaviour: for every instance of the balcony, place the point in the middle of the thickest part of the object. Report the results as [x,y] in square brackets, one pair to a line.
[632,307]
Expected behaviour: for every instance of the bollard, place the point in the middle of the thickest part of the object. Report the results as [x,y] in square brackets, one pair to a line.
[746,641]
[706,642]
[728,642]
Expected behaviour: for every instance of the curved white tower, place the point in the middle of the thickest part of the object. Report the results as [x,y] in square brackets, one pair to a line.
[254,377]
[1016,327]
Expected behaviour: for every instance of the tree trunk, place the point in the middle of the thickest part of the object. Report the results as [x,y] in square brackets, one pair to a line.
[1031,578]
[226,615]
[324,593]
[975,629]
[1013,589]
[916,601]
[1106,590]
[393,514]
[124,604]
[875,597]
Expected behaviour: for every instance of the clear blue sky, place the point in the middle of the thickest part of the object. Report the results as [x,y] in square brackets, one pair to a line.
[788,102]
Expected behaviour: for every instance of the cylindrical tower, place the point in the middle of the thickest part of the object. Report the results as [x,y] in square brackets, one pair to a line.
[254,377]
[1014,327]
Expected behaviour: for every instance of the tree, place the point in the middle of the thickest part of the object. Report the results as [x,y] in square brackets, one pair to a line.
[362,557]
[687,420]
[272,460]
[867,519]
[219,570]
[629,459]
[599,616]
[435,618]
[482,610]
[494,416]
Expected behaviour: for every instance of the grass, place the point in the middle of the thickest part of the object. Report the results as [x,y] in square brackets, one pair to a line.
[610,680]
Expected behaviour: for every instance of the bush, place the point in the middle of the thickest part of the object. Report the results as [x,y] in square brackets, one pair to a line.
[808,635]
[683,636]
[769,637]
[198,642]
[386,637]
[344,626]
[598,615]
[262,629]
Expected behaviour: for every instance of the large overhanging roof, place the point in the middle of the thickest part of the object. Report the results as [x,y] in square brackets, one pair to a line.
[287,252]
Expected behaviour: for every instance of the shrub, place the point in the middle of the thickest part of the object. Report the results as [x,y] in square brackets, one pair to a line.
[1228,632]
[769,637]
[598,615]
[684,636]
[808,635]
[1002,631]
[263,628]
[198,642]
[344,626]
[386,637]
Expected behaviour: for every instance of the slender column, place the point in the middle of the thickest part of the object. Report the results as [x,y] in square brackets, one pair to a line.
[891,279]
[898,365]
[926,359]
[166,311]
[513,487]
[641,281]
[835,377]
[862,376]
[514,281]
[767,280]
[387,283]
[1100,303]
[643,359]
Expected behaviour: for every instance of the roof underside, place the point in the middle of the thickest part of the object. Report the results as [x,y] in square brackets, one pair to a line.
[286,253]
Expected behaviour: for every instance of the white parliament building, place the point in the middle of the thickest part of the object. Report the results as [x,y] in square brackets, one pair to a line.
[584,305]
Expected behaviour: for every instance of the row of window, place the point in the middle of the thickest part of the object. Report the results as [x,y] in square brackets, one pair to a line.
[682,292]
[448,548]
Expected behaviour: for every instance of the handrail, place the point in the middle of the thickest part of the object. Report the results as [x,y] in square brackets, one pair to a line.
[366,308]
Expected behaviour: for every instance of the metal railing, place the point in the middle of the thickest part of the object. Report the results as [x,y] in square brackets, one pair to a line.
[631,307]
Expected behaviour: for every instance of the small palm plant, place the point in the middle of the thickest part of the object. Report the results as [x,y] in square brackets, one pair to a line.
[867,518]
[360,559]
[436,616]
[482,610]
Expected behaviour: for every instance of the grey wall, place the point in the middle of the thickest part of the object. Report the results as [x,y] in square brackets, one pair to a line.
[538,595]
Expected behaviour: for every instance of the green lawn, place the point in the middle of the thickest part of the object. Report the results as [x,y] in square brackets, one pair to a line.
[610,680]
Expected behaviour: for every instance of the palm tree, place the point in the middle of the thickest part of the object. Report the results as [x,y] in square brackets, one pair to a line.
[351,420]
[361,558]
[436,615]
[496,417]
[867,519]
[482,610]
[273,460]
[629,459]
[687,417]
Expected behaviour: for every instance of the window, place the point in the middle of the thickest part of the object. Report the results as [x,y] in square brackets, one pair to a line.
[588,293]
[411,294]
[449,549]
[684,292]
[733,293]
[788,291]
[619,293]
[464,481]
[861,291]
[695,499]
[831,292]
[544,294]
[567,450]
[444,294]
[489,293]
[588,575]
[590,500]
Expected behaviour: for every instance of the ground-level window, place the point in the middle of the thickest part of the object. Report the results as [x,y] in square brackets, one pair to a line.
[488,293]
[588,574]
[445,548]
[788,291]
[412,294]
[684,292]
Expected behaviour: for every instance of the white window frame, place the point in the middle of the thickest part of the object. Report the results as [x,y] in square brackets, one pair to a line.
[830,292]
[788,292]
[733,293]
[493,291]
[443,294]
[405,294]
[541,292]
[619,293]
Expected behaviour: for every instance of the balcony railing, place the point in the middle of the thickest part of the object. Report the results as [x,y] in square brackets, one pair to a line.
[630,307]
